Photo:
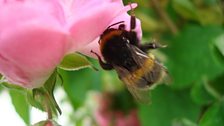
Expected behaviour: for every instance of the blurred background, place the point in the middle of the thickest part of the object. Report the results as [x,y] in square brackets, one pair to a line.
[193,31]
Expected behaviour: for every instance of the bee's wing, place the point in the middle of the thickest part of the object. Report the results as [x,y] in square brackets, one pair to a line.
[140,82]
[134,82]
[139,57]
[140,94]
[165,76]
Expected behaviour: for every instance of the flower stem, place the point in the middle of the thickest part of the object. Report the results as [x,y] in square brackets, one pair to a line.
[47,107]
[164,17]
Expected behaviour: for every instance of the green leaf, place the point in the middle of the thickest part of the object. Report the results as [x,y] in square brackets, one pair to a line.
[1,88]
[77,83]
[214,116]
[43,97]
[191,55]
[211,2]
[111,82]
[200,95]
[219,42]
[74,61]
[167,106]
[185,8]
[217,85]
[5,83]
[12,86]
[49,87]
[1,83]
[183,122]
[18,99]
[32,100]
[21,105]
[210,15]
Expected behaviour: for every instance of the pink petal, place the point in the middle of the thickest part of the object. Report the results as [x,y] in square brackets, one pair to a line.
[91,19]
[32,43]
[38,7]
[122,17]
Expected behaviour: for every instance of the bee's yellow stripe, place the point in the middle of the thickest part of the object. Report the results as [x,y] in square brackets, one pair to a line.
[139,73]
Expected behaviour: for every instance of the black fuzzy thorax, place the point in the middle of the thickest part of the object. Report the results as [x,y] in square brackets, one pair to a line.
[116,52]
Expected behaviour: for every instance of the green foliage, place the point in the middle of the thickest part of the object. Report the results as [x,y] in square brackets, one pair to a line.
[185,8]
[11,86]
[167,106]
[194,58]
[217,85]
[49,92]
[0,83]
[191,55]
[183,122]
[32,100]
[200,95]
[214,116]
[219,42]
[209,12]
[74,61]
[77,83]
[1,88]
[20,104]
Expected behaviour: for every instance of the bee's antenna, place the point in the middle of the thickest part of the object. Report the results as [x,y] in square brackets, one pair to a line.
[120,22]
[133,19]
[132,10]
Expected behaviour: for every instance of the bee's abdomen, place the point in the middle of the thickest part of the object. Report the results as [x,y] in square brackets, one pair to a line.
[145,76]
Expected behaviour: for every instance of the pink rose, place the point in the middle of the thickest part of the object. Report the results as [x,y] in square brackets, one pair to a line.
[106,115]
[36,34]
[32,41]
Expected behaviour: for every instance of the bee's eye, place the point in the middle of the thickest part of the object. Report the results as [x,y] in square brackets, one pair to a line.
[125,39]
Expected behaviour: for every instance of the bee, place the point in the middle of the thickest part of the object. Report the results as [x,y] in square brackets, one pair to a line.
[122,51]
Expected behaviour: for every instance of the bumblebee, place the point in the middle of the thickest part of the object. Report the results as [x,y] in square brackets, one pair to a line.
[122,51]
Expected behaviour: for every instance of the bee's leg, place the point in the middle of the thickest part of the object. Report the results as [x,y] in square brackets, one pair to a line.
[132,35]
[105,66]
[149,46]
[133,19]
